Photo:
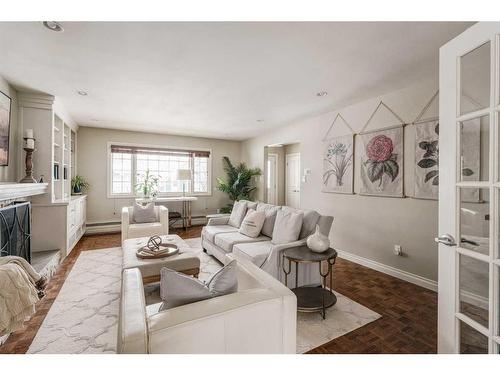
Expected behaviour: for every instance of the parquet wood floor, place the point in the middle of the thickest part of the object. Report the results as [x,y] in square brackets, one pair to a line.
[409,312]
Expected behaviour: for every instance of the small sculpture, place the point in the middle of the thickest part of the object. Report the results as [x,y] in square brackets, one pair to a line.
[154,243]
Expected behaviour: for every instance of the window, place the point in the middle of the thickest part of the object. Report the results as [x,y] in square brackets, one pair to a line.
[130,163]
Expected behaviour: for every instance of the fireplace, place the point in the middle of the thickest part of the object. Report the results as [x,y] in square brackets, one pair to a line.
[15,230]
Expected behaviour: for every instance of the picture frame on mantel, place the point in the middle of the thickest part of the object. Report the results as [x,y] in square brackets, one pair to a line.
[5,110]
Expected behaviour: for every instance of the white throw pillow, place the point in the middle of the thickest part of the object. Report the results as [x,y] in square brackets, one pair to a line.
[252,223]
[238,214]
[144,214]
[287,227]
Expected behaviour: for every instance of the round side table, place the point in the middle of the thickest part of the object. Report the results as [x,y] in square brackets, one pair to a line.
[311,298]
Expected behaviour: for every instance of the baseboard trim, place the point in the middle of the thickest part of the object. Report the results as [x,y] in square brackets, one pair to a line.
[389,270]
[114,227]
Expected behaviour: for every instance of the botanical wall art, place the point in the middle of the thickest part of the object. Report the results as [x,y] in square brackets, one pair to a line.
[338,165]
[382,163]
[4,128]
[427,160]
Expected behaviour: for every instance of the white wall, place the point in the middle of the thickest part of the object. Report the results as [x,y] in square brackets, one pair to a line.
[10,173]
[365,226]
[92,165]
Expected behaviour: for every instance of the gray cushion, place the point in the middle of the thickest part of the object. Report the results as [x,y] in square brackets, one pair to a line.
[237,214]
[210,231]
[226,241]
[177,289]
[287,226]
[144,214]
[252,223]
[270,211]
[309,222]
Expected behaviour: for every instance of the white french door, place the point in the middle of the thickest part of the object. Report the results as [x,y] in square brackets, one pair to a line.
[469,192]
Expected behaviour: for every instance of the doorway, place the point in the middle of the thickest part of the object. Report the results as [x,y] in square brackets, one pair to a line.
[272,179]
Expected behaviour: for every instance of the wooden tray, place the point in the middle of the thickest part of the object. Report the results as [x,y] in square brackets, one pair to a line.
[172,249]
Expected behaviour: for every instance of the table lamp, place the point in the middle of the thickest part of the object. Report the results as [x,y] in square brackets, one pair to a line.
[183,175]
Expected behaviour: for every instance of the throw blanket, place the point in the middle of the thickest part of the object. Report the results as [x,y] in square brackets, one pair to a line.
[19,292]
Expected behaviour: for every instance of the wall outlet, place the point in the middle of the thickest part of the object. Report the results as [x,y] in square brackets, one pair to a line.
[398,250]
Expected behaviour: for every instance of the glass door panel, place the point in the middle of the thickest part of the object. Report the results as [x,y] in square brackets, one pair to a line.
[471,341]
[474,289]
[475,79]
[474,149]
[474,219]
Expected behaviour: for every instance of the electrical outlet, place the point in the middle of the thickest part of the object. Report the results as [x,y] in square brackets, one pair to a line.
[397,250]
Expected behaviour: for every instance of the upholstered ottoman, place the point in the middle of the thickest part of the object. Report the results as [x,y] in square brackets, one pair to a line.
[185,261]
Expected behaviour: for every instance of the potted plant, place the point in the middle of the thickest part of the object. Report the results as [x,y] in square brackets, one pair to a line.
[148,186]
[78,185]
[238,183]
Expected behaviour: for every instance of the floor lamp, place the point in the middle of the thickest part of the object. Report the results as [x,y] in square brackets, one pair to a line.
[184,175]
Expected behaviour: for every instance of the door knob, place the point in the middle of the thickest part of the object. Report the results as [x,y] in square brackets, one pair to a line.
[446,239]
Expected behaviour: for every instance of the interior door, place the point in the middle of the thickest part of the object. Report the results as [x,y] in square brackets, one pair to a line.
[272,181]
[469,192]
[293,180]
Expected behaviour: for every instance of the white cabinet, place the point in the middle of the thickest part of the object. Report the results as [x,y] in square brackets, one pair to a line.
[58,225]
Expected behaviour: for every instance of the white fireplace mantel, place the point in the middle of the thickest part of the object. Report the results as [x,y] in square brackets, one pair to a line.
[13,190]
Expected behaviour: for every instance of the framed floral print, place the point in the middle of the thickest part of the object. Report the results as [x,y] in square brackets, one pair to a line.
[338,166]
[5,103]
[427,160]
[382,162]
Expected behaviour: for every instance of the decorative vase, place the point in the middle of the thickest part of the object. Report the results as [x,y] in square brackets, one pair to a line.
[318,242]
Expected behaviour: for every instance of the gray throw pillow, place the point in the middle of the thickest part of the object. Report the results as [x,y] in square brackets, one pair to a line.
[287,227]
[270,212]
[144,214]
[177,289]
[237,214]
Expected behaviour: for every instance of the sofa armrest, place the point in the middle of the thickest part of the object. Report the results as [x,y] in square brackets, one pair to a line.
[132,323]
[125,223]
[220,220]
[288,245]
[163,216]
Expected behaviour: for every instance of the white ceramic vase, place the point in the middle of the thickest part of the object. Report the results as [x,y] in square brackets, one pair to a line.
[318,242]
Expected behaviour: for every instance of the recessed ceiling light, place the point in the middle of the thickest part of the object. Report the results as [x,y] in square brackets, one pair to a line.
[322,93]
[82,93]
[53,25]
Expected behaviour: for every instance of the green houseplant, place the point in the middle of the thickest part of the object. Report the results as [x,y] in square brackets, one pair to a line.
[238,182]
[148,186]
[78,185]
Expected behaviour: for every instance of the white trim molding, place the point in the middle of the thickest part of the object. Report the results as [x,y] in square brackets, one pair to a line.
[15,190]
[389,270]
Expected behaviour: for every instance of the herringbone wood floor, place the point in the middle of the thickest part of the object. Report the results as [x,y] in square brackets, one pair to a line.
[409,312]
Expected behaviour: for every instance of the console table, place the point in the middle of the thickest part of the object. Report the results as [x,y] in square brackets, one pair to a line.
[186,206]
[311,298]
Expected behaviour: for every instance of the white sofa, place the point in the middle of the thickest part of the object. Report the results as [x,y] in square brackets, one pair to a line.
[220,239]
[135,230]
[260,318]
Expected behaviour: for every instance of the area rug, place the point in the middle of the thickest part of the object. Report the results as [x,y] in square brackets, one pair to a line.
[84,316]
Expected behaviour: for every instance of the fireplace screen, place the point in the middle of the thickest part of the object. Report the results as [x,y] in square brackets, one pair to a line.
[15,231]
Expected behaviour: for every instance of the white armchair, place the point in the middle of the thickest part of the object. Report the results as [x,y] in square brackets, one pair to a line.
[135,230]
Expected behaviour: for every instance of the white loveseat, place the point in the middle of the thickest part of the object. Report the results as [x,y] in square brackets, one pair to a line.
[260,317]
[220,239]
[130,229]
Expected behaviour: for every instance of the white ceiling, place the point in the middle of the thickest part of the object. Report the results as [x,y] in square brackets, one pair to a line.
[216,79]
